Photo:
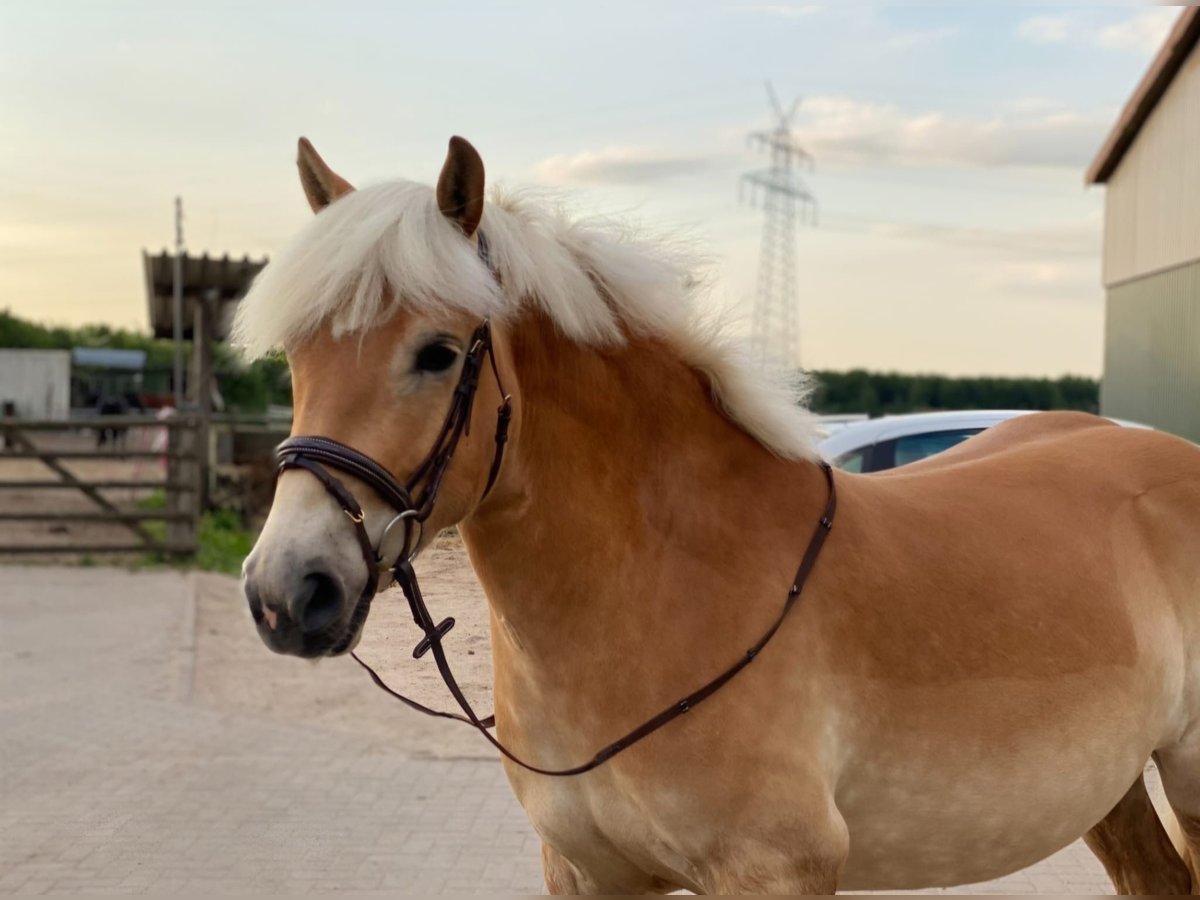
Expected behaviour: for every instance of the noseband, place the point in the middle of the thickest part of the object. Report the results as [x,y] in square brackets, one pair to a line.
[414,501]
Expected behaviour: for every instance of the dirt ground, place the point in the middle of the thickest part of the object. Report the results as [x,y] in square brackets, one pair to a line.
[235,671]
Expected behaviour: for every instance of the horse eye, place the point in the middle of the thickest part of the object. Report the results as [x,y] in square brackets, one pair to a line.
[436,357]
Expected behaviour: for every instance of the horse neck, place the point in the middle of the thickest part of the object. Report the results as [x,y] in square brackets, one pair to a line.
[629,502]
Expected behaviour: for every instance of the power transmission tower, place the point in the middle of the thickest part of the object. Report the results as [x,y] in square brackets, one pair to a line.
[785,201]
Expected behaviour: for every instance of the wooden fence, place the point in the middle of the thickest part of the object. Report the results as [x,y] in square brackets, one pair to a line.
[56,445]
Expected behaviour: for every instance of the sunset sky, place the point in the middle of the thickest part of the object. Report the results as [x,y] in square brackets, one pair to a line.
[955,233]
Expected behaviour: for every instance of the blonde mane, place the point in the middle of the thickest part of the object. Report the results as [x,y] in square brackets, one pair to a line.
[596,282]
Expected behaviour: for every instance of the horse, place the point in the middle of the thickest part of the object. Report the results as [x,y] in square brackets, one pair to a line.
[983,657]
[111,406]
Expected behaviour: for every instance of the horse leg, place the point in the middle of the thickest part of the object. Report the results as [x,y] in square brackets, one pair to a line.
[564,876]
[793,876]
[561,877]
[1135,849]
[1179,767]
[801,858]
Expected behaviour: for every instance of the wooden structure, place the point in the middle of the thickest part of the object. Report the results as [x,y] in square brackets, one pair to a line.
[211,288]
[217,283]
[1150,165]
[23,441]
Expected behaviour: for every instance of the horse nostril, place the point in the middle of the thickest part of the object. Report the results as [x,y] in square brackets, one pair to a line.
[254,600]
[318,604]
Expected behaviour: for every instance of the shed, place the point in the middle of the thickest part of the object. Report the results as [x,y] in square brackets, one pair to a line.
[106,374]
[219,281]
[35,384]
[1150,166]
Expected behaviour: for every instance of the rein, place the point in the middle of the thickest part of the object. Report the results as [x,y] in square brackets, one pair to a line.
[403,534]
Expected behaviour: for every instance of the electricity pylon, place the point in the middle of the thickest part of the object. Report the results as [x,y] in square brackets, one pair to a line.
[785,201]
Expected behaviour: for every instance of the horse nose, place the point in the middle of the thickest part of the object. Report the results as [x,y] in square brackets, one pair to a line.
[254,599]
[317,603]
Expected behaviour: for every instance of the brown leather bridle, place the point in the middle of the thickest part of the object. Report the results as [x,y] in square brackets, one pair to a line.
[414,502]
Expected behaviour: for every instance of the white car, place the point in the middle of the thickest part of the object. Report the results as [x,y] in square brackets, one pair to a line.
[885,443]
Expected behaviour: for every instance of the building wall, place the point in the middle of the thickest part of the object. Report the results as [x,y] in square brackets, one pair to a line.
[1152,351]
[38,381]
[1152,203]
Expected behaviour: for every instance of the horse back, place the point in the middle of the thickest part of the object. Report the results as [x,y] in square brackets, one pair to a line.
[1056,540]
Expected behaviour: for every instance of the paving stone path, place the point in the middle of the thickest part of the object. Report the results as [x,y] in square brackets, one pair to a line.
[112,778]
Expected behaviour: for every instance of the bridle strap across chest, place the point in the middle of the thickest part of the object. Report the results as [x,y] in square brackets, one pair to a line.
[407,579]
[414,501]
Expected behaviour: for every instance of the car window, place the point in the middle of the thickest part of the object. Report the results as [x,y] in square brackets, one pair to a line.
[852,461]
[918,446]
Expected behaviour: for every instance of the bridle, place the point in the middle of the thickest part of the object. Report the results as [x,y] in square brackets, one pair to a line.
[414,501]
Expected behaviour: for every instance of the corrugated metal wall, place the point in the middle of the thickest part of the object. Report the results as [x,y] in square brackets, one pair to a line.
[1152,351]
[1152,204]
[38,381]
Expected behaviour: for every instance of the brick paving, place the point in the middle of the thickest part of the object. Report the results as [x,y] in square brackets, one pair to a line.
[112,779]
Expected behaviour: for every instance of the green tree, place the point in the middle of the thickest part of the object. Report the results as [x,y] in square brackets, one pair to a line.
[246,387]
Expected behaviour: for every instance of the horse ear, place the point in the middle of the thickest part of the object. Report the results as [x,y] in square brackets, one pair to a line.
[460,186]
[321,184]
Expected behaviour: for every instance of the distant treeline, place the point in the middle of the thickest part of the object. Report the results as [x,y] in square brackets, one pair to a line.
[18,332]
[251,387]
[245,387]
[884,393]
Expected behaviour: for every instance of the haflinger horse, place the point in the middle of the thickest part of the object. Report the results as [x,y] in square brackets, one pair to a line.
[979,663]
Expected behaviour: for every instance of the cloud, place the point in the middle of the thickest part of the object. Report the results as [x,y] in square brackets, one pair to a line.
[873,27]
[780,10]
[1057,243]
[1044,29]
[624,165]
[1033,104]
[843,130]
[1143,33]
[906,40]
[1048,278]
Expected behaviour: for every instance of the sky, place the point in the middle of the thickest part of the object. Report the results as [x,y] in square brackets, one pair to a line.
[954,232]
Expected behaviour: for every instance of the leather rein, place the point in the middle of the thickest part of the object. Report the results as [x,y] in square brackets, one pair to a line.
[414,502]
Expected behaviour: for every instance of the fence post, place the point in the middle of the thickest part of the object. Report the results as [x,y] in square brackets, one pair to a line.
[183,471]
[203,338]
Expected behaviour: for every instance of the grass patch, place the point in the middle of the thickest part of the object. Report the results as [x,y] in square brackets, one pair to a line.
[221,540]
[152,501]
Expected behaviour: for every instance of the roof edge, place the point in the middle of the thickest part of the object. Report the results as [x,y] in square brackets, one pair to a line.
[1184,36]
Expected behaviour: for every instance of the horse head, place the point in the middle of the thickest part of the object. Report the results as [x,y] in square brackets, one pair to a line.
[381,322]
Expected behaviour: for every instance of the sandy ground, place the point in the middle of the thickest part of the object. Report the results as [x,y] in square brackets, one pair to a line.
[235,671]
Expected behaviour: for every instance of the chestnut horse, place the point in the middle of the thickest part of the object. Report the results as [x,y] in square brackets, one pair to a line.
[990,647]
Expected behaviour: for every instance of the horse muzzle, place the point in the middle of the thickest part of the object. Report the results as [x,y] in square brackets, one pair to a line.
[306,611]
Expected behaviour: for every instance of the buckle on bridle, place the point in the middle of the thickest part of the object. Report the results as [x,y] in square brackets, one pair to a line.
[385,559]
[355,517]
